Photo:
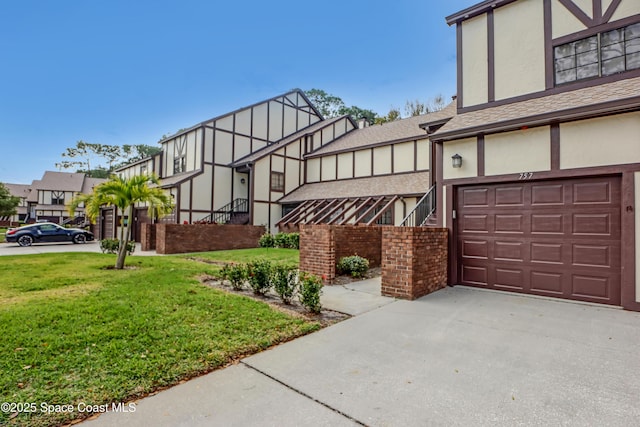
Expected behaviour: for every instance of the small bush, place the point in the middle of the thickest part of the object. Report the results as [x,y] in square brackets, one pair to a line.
[266,241]
[280,240]
[259,276]
[310,291]
[235,274]
[284,280]
[293,240]
[111,246]
[354,265]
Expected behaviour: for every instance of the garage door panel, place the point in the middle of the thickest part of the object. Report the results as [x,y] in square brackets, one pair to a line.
[514,223]
[510,196]
[592,256]
[557,238]
[546,282]
[509,251]
[548,253]
[510,279]
[547,224]
[592,193]
[547,194]
[475,275]
[592,224]
[475,197]
[591,287]
[475,249]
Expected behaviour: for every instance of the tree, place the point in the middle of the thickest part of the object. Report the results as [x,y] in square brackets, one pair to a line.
[124,193]
[392,115]
[328,105]
[8,202]
[358,113]
[85,157]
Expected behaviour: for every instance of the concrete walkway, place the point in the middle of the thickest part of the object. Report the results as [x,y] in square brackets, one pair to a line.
[459,356]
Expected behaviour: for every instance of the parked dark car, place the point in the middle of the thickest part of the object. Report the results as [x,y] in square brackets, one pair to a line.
[47,232]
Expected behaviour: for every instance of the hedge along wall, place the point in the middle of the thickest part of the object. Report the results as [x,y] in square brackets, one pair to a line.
[322,246]
[183,238]
[414,261]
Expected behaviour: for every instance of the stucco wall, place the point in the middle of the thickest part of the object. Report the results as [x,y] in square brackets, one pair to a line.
[519,151]
[475,71]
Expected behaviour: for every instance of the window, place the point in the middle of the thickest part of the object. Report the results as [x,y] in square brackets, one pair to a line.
[179,164]
[143,169]
[277,181]
[57,198]
[603,54]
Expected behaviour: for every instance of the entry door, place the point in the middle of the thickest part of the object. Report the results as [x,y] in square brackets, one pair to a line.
[551,238]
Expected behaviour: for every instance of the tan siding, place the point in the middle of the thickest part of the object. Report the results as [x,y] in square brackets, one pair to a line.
[290,120]
[329,168]
[345,165]
[363,163]
[564,22]
[590,142]
[276,214]
[223,147]
[208,145]
[275,121]
[519,49]
[403,155]
[277,164]
[243,122]
[262,179]
[424,155]
[519,151]
[313,170]
[222,186]
[475,71]
[260,121]
[468,149]
[291,176]
[382,160]
[626,8]
[260,213]
[225,123]
[293,149]
[202,190]
[242,147]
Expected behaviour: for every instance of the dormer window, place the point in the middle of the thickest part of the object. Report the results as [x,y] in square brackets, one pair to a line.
[602,54]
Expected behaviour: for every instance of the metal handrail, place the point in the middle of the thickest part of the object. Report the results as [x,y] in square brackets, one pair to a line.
[425,207]
[223,215]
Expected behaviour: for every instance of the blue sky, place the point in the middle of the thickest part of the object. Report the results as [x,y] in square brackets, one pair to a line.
[127,72]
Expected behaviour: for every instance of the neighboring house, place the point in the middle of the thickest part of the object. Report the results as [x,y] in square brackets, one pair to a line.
[22,191]
[546,198]
[279,163]
[48,196]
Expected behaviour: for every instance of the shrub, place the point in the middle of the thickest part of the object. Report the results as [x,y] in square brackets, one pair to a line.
[111,246]
[284,281]
[235,274]
[259,276]
[354,265]
[280,240]
[266,241]
[293,240]
[310,291]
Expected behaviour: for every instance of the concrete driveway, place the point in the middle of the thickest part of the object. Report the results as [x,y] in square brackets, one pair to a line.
[459,356]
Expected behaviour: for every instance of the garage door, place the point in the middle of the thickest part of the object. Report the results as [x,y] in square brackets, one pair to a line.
[551,238]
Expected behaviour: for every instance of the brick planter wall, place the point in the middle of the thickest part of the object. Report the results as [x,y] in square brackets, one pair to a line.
[148,237]
[322,246]
[414,261]
[182,238]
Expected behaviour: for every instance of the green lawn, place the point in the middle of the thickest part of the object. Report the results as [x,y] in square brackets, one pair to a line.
[287,256]
[74,331]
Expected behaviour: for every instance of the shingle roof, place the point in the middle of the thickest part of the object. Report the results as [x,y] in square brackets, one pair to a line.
[398,130]
[283,142]
[19,190]
[390,185]
[61,181]
[610,97]
[89,183]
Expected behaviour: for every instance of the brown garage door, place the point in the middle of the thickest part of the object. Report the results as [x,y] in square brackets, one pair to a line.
[552,238]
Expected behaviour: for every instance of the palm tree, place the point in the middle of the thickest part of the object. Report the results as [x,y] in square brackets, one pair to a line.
[124,193]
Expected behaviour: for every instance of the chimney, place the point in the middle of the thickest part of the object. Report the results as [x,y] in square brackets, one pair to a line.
[362,123]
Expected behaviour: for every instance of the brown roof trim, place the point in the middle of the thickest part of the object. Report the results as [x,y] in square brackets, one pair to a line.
[570,114]
[476,10]
[314,155]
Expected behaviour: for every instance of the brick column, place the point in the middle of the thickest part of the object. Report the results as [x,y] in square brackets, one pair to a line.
[317,251]
[414,261]
[148,237]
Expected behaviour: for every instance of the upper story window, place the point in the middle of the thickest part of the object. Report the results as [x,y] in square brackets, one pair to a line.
[277,181]
[602,54]
[179,164]
[143,169]
[57,198]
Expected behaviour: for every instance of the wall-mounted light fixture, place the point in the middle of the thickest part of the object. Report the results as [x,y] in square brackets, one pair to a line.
[456,160]
[242,180]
